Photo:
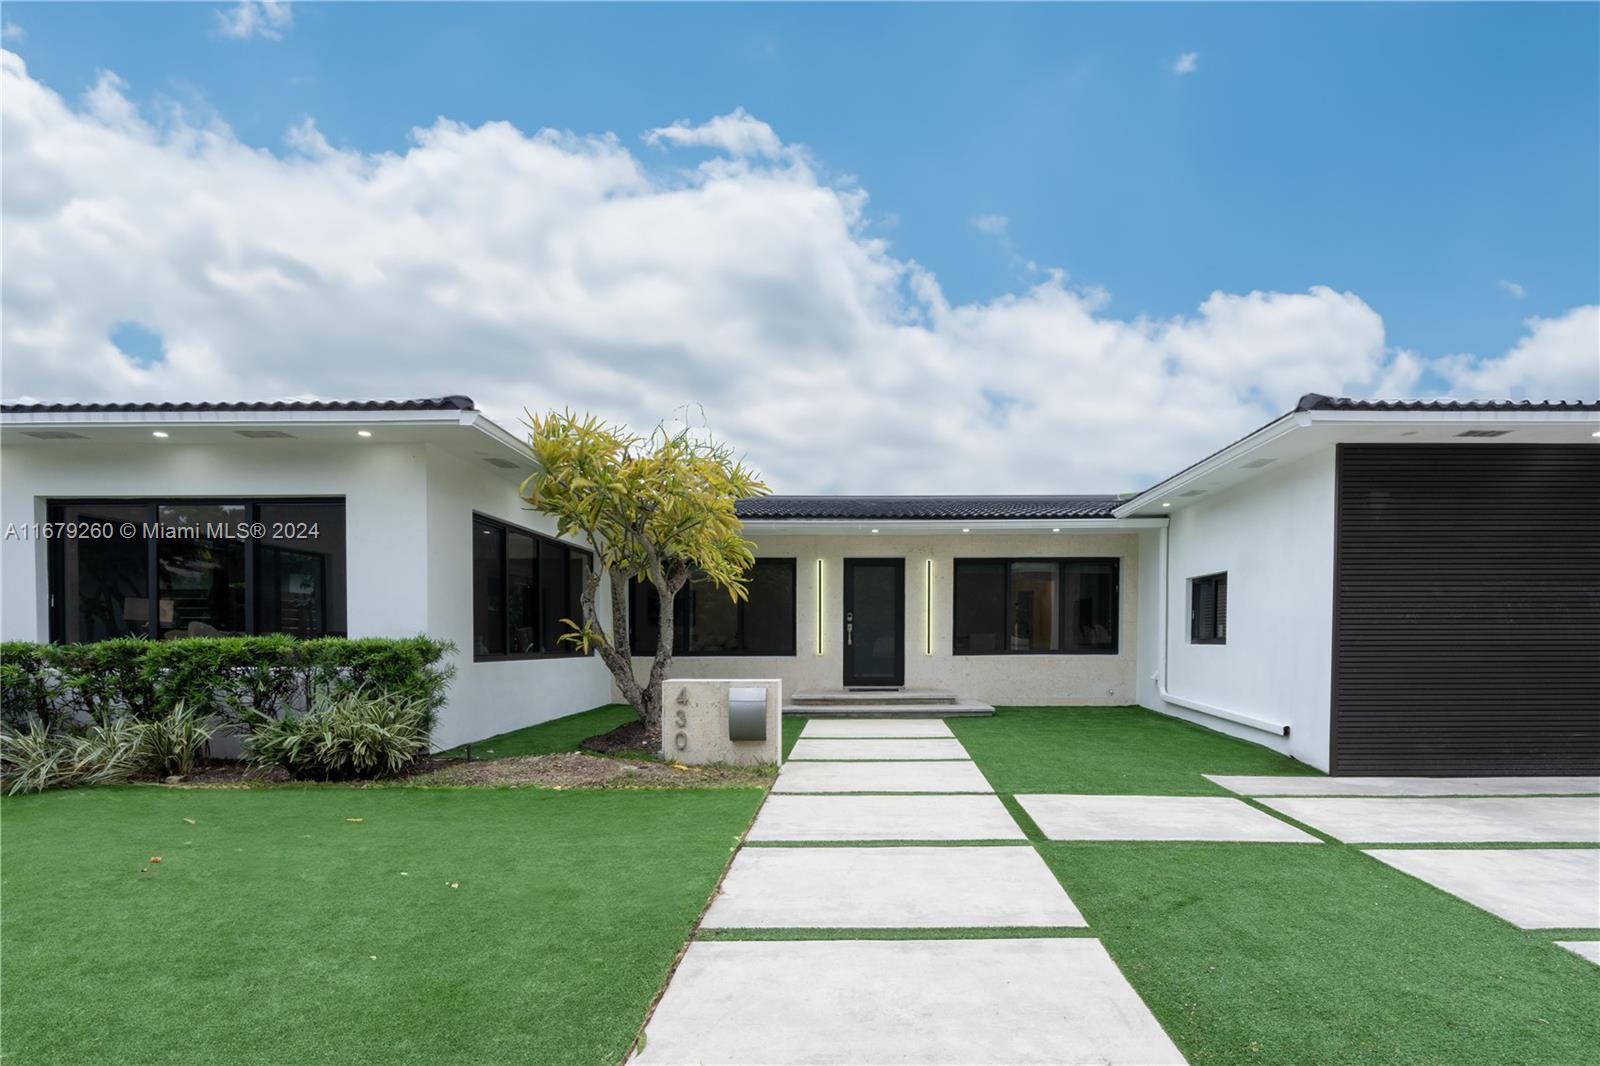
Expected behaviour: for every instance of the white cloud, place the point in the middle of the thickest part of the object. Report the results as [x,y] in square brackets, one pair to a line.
[10,31]
[1187,63]
[994,225]
[552,269]
[737,133]
[268,19]
[1512,289]
[1558,359]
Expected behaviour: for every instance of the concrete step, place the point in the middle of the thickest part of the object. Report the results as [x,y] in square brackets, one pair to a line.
[953,709]
[896,696]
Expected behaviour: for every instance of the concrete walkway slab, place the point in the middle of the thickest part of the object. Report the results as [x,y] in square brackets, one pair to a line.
[875,727]
[1303,785]
[1532,888]
[1584,949]
[1495,820]
[1156,818]
[926,748]
[890,888]
[947,776]
[884,818]
[876,1002]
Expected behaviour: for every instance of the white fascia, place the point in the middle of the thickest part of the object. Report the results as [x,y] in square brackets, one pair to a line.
[891,527]
[1241,449]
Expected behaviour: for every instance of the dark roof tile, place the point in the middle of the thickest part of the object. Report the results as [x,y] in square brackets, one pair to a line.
[1314,401]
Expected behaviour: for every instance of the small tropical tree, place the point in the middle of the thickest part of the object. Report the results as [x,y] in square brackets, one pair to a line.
[658,508]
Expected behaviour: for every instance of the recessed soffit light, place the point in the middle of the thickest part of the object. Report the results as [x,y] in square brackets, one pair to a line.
[159,433]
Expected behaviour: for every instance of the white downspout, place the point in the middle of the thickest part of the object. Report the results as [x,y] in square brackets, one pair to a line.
[1160,677]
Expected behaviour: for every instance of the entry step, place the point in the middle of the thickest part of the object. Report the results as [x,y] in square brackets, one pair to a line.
[874,695]
[846,709]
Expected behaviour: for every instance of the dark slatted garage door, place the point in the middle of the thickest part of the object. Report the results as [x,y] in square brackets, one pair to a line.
[1467,610]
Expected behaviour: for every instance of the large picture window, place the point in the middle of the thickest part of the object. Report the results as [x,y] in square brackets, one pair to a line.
[523,586]
[706,620]
[1208,609]
[1035,606]
[166,569]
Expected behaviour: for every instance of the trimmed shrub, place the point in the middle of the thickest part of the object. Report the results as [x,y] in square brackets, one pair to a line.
[242,680]
[345,736]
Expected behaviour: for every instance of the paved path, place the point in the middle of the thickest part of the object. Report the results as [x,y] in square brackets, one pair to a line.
[879,792]
[1532,888]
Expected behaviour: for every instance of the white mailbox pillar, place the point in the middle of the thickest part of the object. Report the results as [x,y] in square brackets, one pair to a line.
[722,720]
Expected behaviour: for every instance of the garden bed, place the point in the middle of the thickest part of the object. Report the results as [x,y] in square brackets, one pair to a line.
[575,770]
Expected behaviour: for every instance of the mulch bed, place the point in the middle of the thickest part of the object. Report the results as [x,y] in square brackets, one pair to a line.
[629,738]
[576,770]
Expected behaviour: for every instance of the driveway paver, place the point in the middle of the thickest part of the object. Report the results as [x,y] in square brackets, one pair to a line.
[1488,820]
[1303,785]
[890,888]
[1533,888]
[925,748]
[947,776]
[874,727]
[933,1002]
[806,818]
[1063,817]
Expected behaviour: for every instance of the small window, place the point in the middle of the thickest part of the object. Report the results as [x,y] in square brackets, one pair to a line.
[707,621]
[1208,609]
[523,587]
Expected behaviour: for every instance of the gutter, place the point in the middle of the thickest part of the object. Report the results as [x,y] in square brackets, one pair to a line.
[1160,676]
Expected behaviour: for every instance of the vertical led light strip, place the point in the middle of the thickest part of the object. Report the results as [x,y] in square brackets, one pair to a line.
[928,610]
[819,606]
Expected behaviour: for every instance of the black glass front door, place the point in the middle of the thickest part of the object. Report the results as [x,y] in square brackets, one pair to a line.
[874,622]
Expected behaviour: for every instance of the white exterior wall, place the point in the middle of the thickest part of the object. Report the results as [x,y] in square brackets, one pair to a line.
[408,515]
[1273,536]
[487,698]
[1017,680]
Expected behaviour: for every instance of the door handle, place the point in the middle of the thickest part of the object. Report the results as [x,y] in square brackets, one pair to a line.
[849,629]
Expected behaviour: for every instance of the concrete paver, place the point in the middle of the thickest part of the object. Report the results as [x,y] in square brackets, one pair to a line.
[874,727]
[1156,818]
[834,748]
[807,818]
[1485,820]
[890,888]
[876,1002]
[1304,785]
[1532,888]
[948,776]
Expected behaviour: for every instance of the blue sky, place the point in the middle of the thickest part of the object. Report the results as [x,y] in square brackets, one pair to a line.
[878,245]
[1416,154]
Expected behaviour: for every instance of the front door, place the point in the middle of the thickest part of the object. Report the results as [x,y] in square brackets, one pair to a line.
[874,623]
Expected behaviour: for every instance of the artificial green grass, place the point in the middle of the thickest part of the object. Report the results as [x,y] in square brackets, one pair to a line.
[251,942]
[1288,954]
[1108,750]
[1296,954]
[547,738]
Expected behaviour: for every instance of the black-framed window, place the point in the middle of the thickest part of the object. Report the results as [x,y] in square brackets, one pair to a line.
[706,620]
[1208,609]
[523,587]
[1035,606]
[209,567]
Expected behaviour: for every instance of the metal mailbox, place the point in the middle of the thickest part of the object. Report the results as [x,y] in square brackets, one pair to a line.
[747,713]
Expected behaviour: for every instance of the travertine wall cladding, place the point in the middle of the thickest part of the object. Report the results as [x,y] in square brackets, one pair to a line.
[1038,680]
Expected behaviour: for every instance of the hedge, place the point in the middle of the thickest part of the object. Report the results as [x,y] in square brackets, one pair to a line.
[236,678]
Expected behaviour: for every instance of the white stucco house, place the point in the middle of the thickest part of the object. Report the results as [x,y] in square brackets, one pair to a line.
[1370,587]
